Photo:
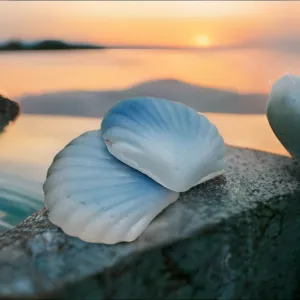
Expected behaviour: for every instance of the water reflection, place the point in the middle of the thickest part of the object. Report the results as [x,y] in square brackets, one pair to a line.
[242,70]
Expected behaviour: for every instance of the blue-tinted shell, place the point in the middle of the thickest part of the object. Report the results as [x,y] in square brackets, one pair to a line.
[92,195]
[168,141]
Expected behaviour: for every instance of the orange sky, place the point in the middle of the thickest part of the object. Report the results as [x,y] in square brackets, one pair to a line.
[172,23]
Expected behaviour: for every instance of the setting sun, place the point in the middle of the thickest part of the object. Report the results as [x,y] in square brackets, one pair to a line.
[202,40]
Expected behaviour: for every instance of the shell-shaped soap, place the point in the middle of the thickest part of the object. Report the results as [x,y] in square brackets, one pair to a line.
[93,196]
[283,112]
[168,141]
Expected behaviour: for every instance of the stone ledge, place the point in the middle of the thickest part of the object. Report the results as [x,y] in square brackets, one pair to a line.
[237,235]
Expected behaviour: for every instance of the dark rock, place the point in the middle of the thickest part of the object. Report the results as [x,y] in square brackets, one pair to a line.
[17,45]
[9,111]
[235,237]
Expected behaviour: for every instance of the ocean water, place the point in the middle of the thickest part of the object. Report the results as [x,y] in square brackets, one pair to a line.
[16,206]
[244,70]
[20,196]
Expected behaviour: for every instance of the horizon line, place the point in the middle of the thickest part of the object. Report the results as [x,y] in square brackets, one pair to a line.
[135,46]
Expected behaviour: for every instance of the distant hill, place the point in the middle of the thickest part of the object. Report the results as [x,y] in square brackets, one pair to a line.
[44,45]
[96,103]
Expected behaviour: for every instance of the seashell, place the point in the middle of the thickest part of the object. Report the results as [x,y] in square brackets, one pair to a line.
[93,196]
[283,113]
[168,141]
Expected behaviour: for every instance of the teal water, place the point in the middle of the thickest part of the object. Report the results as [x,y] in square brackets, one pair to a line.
[14,207]
[20,195]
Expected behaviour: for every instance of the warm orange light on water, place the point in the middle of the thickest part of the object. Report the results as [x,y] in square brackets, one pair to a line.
[30,144]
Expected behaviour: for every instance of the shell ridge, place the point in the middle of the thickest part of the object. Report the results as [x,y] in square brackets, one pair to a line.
[171,112]
[158,111]
[106,191]
[138,227]
[90,184]
[77,149]
[86,139]
[59,190]
[63,174]
[86,222]
[130,216]
[79,162]
[180,115]
[150,113]
[129,119]
[110,136]
[110,218]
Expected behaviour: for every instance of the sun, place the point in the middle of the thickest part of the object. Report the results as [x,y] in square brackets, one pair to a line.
[202,40]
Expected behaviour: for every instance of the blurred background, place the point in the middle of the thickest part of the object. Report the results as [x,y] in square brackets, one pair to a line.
[237,45]
[67,62]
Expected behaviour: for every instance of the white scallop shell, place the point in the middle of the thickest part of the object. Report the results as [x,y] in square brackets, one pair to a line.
[166,140]
[93,196]
[285,93]
[283,112]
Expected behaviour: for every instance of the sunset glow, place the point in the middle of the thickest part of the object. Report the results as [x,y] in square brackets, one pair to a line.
[202,40]
[171,23]
[256,33]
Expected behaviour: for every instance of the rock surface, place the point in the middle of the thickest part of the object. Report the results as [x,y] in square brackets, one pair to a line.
[237,236]
[9,110]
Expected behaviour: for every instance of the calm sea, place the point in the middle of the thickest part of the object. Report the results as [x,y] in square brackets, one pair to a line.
[242,70]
